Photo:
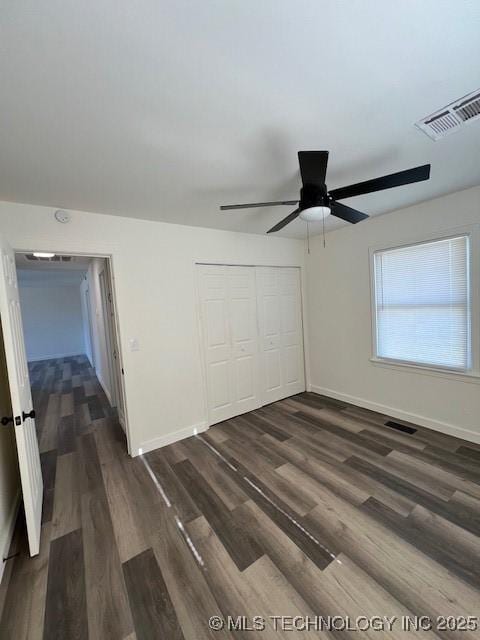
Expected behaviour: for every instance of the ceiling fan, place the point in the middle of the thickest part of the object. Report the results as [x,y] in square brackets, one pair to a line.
[316,203]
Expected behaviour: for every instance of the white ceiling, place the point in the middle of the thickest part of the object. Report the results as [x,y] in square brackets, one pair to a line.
[166,109]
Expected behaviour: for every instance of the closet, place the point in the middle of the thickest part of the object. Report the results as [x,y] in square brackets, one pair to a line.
[251,336]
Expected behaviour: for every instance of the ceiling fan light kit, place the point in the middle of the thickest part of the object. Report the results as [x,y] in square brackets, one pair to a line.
[315,214]
[316,202]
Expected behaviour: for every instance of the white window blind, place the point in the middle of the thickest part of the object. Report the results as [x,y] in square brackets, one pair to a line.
[422,303]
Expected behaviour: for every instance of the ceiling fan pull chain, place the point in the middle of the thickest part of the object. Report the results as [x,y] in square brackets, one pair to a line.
[308,238]
[323,226]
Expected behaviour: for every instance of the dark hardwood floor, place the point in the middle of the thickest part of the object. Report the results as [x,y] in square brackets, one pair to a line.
[307,507]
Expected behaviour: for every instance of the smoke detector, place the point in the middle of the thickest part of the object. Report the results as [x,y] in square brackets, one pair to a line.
[62,216]
[450,118]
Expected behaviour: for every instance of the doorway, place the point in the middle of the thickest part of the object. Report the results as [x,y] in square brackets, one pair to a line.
[68,310]
[64,368]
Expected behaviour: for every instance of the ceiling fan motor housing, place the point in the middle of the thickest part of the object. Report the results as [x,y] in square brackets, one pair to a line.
[313,196]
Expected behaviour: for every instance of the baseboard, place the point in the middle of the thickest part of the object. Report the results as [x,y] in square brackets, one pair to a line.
[55,356]
[106,390]
[170,438]
[423,421]
[7,535]
[121,419]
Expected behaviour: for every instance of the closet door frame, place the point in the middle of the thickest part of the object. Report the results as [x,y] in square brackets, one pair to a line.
[200,328]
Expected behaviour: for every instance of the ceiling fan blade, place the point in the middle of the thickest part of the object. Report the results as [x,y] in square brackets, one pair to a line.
[313,167]
[283,223]
[228,207]
[417,174]
[346,213]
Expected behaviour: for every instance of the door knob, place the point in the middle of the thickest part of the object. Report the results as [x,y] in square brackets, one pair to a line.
[6,419]
[28,415]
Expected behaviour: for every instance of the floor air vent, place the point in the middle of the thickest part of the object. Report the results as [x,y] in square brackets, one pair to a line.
[450,118]
[399,427]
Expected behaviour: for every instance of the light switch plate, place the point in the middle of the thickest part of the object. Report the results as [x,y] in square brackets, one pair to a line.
[134,344]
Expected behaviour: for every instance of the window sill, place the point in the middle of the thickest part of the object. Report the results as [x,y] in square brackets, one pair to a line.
[472,377]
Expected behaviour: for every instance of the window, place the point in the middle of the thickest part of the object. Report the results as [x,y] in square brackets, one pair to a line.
[422,304]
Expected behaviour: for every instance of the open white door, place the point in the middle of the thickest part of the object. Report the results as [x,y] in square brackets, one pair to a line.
[111,343]
[23,416]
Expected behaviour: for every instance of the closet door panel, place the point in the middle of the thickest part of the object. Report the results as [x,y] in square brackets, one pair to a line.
[272,370]
[281,332]
[213,291]
[269,316]
[252,337]
[220,388]
[230,341]
[244,337]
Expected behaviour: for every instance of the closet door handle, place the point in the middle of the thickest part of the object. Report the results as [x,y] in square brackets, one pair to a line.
[28,415]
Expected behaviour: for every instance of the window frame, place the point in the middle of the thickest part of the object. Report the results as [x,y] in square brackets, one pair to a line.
[471,374]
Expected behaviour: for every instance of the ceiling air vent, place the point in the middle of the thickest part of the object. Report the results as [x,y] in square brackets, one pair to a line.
[450,118]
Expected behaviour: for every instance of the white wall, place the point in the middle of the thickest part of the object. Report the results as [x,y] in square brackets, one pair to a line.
[339,321]
[156,295]
[52,318]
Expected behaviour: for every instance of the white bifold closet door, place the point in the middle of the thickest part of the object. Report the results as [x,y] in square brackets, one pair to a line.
[252,337]
[230,339]
[281,332]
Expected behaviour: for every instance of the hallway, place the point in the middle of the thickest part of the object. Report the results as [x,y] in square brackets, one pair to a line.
[73,416]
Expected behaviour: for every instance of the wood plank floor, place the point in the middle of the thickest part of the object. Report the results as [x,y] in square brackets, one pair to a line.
[307,507]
